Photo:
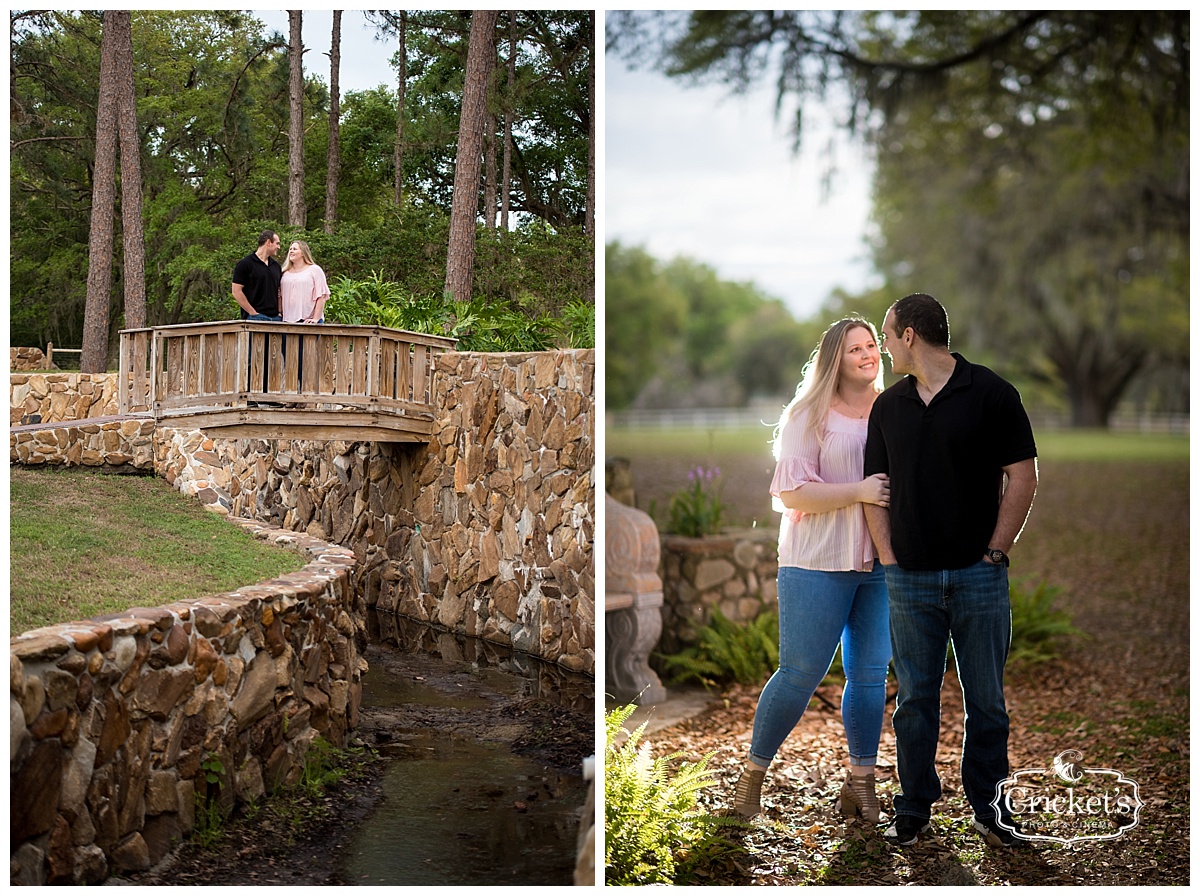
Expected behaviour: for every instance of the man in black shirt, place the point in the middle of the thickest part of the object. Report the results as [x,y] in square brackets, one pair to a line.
[256,280]
[958,449]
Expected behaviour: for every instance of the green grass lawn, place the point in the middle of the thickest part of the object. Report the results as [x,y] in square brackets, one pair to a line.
[1070,445]
[84,544]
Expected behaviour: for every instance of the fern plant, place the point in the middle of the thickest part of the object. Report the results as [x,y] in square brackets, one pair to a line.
[1038,626]
[651,816]
[728,652]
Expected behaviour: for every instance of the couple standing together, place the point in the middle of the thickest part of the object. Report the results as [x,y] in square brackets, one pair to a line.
[899,510]
[294,293]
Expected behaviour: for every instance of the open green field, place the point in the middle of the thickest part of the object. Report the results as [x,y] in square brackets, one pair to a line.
[84,544]
[1071,445]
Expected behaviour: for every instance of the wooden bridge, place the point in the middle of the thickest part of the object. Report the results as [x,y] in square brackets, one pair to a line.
[276,380]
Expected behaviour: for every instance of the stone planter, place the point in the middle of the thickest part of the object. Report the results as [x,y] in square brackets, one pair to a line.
[734,571]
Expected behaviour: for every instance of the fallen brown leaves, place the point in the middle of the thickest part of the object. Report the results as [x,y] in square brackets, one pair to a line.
[1116,537]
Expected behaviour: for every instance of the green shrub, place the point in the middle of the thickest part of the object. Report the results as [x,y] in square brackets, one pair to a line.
[1038,627]
[727,652]
[653,829]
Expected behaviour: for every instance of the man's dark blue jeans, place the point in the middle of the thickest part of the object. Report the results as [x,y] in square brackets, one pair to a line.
[927,608]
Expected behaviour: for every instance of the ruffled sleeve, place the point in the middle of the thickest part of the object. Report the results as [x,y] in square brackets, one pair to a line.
[798,464]
[320,286]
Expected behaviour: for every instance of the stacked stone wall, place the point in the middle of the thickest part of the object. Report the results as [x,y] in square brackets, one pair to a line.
[59,397]
[25,358]
[116,722]
[732,572]
[487,530]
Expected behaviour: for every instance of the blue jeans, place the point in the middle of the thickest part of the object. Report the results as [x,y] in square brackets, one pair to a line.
[816,611]
[928,608]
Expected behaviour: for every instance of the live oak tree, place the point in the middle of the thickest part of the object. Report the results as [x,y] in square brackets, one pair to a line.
[1032,167]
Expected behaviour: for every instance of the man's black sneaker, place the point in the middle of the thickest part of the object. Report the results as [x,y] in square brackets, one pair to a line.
[995,835]
[906,830]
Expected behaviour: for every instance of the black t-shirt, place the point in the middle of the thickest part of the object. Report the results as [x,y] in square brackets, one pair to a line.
[260,283]
[945,463]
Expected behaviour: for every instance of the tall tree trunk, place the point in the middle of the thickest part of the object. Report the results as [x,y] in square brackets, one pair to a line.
[296,211]
[133,238]
[401,87]
[335,155]
[460,257]
[590,214]
[94,357]
[509,105]
[490,188]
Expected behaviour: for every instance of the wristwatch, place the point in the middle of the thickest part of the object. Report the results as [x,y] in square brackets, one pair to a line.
[997,556]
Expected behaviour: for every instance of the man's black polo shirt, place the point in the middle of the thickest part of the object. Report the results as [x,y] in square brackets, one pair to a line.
[260,283]
[945,463]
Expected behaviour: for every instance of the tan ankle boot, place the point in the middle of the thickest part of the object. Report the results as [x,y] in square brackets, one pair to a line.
[858,797]
[747,796]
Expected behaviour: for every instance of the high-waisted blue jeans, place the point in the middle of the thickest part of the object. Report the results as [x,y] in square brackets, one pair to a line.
[817,610]
[971,607]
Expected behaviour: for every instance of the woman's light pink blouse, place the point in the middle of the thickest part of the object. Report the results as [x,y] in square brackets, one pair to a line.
[839,539]
[301,290]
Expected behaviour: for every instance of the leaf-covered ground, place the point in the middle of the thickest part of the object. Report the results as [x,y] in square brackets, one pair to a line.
[1115,538]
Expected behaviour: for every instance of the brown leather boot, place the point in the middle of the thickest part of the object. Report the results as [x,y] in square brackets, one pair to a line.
[858,797]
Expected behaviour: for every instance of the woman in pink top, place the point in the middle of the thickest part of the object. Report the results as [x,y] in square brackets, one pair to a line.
[303,288]
[831,589]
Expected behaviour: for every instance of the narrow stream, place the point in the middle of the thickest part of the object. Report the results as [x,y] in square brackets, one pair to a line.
[483,784]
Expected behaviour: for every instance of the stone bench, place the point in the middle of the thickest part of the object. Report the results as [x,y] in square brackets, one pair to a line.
[633,599]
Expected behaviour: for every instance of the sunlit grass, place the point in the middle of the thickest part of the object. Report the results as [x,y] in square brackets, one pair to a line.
[1072,445]
[84,544]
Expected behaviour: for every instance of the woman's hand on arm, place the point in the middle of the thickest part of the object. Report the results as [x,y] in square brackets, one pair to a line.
[823,497]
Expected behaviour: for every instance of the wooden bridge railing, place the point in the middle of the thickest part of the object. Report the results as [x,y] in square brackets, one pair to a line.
[211,369]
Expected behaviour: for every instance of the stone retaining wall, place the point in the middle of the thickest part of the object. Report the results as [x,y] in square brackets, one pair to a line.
[25,358]
[93,443]
[57,397]
[115,721]
[487,530]
[734,572]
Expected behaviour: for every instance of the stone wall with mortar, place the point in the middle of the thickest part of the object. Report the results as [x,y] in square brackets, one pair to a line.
[734,572]
[487,530]
[115,721]
[25,358]
[56,397]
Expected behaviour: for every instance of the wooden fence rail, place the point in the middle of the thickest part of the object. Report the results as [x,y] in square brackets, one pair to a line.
[222,372]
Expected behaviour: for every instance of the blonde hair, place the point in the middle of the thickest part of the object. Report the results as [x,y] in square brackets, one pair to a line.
[819,379]
[304,253]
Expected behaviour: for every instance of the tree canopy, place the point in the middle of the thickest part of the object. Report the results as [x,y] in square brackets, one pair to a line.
[1032,169]
[212,116]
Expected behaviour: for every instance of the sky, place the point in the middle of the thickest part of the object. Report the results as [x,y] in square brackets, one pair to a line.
[366,61]
[696,172]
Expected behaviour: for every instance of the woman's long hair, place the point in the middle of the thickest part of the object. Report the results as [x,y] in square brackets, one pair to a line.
[304,253]
[819,379]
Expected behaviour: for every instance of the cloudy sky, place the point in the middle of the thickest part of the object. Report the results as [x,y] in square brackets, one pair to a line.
[697,172]
[365,60]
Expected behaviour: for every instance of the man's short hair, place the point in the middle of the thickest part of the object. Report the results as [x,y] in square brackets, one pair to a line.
[925,315]
[266,236]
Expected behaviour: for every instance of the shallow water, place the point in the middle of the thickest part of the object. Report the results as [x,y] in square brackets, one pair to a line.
[463,809]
